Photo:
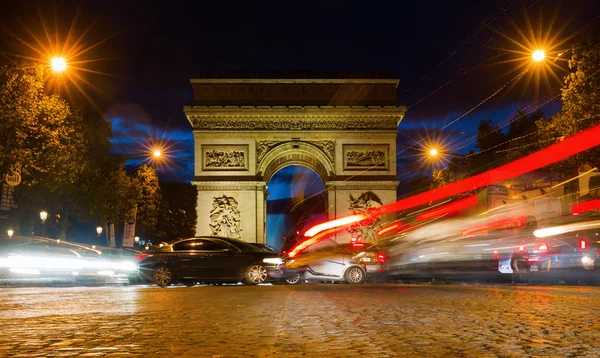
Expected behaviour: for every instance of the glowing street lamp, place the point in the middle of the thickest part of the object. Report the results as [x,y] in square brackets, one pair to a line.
[434,152]
[43,216]
[538,55]
[99,230]
[58,64]
[10,233]
[157,153]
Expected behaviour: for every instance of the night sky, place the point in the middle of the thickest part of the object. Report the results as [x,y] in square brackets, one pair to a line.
[448,55]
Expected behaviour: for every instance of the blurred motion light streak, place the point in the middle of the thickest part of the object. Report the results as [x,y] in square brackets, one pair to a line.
[572,145]
[557,230]
[585,206]
[577,143]
[449,209]
[334,224]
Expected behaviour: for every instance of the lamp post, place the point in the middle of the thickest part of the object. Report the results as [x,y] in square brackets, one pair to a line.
[137,241]
[10,233]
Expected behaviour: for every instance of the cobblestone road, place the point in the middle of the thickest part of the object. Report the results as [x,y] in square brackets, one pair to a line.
[306,320]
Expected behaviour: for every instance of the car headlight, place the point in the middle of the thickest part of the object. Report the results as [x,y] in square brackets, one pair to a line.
[273,260]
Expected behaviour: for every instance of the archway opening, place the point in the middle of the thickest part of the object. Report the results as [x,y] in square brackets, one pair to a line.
[296,201]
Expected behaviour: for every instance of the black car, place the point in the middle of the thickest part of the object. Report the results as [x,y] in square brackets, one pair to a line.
[208,259]
[567,250]
[265,247]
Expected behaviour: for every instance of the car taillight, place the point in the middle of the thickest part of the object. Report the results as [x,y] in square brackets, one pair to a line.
[543,247]
[495,255]
[521,248]
[358,245]
[380,257]
[142,256]
[582,244]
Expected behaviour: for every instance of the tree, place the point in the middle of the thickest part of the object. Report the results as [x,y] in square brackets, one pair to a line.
[38,131]
[521,136]
[34,126]
[148,200]
[177,213]
[581,100]
[110,193]
[489,140]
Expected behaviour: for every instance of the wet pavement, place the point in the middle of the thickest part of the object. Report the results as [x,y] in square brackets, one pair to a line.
[301,321]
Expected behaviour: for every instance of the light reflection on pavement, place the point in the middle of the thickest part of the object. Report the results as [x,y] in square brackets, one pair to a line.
[305,320]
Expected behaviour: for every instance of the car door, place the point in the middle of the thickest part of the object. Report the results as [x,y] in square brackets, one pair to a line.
[189,258]
[219,259]
[331,262]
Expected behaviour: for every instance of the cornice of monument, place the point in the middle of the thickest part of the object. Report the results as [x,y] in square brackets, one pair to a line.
[333,110]
[292,80]
[295,117]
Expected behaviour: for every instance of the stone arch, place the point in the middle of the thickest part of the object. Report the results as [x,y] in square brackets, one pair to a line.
[295,153]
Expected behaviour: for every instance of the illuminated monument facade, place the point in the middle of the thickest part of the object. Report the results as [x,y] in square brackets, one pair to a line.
[245,130]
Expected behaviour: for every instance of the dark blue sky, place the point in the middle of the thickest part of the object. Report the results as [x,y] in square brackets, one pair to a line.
[447,54]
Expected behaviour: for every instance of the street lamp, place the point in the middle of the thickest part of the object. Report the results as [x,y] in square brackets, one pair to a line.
[43,217]
[538,55]
[58,64]
[433,152]
[157,153]
[10,233]
[99,230]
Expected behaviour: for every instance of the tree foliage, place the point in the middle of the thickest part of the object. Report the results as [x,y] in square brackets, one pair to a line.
[581,100]
[35,128]
[148,200]
[177,213]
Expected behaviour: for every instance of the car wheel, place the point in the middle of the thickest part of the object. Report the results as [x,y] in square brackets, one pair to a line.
[256,274]
[355,275]
[163,276]
[294,280]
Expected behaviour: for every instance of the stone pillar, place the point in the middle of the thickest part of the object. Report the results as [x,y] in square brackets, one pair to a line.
[225,208]
[261,213]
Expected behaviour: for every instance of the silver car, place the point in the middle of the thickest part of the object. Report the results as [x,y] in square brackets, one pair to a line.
[351,263]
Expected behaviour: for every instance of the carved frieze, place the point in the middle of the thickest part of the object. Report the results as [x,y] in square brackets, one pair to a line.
[364,156]
[293,123]
[225,217]
[231,157]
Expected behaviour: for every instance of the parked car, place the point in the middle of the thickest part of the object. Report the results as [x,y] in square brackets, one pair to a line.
[208,259]
[353,263]
[567,250]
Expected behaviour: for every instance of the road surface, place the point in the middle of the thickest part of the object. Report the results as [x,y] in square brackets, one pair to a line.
[301,321]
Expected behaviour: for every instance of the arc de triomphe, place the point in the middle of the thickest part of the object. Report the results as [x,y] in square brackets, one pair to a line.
[245,130]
